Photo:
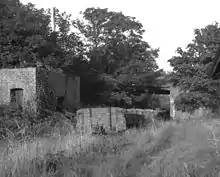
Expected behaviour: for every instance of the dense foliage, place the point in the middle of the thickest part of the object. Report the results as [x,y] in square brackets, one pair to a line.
[117,53]
[191,70]
[105,49]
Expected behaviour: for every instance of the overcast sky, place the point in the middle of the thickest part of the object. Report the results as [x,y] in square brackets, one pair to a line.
[168,23]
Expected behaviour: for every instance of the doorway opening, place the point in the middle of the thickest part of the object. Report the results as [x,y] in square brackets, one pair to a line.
[16,97]
[60,102]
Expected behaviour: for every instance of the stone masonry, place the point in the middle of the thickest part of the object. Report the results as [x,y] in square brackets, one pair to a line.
[111,118]
[38,88]
[22,78]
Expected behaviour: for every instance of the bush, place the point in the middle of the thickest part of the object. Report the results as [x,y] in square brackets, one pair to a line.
[99,130]
[16,124]
[189,102]
[163,115]
[190,148]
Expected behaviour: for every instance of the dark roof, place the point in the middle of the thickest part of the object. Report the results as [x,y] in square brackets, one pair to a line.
[67,70]
[159,91]
[154,90]
[215,69]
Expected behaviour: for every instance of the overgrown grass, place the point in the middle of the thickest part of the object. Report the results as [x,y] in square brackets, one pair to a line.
[189,148]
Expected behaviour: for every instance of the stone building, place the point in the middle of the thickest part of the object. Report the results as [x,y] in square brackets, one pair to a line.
[112,118]
[37,88]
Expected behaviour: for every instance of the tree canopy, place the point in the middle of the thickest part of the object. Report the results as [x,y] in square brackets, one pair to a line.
[191,70]
[106,49]
[117,51]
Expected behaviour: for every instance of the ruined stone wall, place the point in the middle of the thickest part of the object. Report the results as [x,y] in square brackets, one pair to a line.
[111,118]
[72,97]
[23,78]
[52,84]
[174,92]
[176,114]
[44,100]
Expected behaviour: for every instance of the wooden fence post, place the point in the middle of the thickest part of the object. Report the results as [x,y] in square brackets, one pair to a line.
[116,115]
[82,122]
[90,112]
[82,127]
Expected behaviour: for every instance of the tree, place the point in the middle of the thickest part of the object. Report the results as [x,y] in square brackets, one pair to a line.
[113,40]
[27,38]
[23,35]
[117,51]
[190,70]
[108,52]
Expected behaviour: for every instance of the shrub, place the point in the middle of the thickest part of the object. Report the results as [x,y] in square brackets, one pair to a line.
[190,148]
[14,123]
[163,115]
[17,125]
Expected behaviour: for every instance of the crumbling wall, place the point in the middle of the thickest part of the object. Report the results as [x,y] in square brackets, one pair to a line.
[44,99]
[73,93]
[112,118]
[23,78]
[53,84]
[174,92]
[72,97]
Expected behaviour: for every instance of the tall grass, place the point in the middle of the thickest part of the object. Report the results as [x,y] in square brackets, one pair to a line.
[186,149]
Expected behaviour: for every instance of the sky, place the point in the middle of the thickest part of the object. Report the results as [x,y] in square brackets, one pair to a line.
[169,24]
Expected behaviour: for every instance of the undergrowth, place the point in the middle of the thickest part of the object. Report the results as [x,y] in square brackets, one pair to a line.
[189,148]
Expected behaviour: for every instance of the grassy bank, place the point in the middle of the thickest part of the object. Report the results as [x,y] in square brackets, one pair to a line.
[185,149]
